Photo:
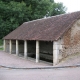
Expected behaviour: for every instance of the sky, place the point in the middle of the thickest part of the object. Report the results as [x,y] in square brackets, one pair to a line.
[72,5]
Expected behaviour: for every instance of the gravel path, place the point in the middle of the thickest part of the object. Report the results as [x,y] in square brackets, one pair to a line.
[71,60]
[12,60]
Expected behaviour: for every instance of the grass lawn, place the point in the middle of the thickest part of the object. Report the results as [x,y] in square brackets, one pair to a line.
[1,44]
[1,48]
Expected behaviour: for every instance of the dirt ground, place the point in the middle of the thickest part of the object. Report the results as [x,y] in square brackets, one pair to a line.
[70,60]
[12,60]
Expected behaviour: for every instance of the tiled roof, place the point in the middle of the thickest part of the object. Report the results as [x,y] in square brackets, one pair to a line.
[46,29]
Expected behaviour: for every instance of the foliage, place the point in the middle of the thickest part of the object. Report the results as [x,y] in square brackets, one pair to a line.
[14,12]
[12,15]
[58,8]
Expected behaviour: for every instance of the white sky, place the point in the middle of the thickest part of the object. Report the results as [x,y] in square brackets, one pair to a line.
[72,5]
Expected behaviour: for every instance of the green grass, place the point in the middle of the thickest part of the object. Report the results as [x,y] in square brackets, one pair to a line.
[1,42]
[1,48]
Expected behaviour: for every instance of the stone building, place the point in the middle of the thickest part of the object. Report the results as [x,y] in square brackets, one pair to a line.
[51,38]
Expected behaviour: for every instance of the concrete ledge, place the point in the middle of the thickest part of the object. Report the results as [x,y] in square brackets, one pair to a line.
[48,67]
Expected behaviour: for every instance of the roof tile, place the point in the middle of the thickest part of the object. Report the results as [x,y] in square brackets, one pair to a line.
[48,29]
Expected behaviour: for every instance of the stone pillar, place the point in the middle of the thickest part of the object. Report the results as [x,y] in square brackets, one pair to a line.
[17,48]
[37,51]
[4,46]
[55,52]
[10,46]
[25,49]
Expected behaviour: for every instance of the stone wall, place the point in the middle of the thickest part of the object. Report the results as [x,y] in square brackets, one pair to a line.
[7,46]
[71,40]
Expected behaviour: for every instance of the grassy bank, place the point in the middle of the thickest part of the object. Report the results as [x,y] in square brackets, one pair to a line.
[1,44]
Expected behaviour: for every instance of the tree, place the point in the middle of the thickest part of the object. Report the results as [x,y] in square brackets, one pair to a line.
[12,15]
[58,8]
[14,12]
